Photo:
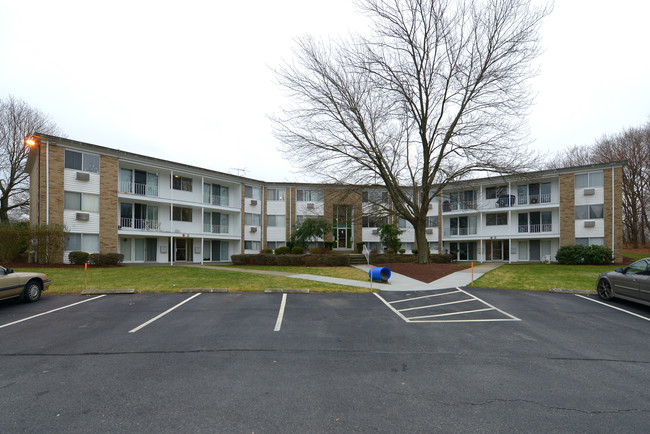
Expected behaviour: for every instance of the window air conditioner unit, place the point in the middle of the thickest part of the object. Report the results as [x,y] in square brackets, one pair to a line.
[429,231]
[83,216]
[82,176]
[589,191]
[375,232]
[590,223]
[253,202]
[254,229]
[310,205]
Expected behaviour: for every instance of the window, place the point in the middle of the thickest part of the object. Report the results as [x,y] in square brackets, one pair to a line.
[498,219]
[251,219]
[82,242]
[275,193]
[589,212]
[495,192]
[81,201]
[595,241]
[251,192]
[309,195]
[590,179]
[81,161]
[182,214]
[215,194]
[370,221]
[182,183]
[275,220]
[252,245]
[274,244]
[375,196]
[404,224]
[432,221]
[301,218]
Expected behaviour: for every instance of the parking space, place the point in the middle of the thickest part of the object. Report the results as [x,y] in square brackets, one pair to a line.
[332,362]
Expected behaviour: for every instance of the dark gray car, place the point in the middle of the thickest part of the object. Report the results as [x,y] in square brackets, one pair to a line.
[629,283]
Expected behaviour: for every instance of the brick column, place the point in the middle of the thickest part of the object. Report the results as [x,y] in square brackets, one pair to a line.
[108,204]
[567,209]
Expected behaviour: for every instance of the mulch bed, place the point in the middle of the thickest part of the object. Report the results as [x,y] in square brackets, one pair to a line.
[424,272]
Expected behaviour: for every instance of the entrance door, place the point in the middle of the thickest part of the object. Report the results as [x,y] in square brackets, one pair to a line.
[152,250]
[343,226]
[534,250]
[180,249]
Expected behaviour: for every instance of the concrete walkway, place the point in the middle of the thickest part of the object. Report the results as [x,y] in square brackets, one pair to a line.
[397,282]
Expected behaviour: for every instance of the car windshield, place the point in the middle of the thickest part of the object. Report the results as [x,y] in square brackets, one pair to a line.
[637,267]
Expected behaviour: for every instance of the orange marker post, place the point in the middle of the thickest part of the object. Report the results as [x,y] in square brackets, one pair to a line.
[85,275]
[472,272]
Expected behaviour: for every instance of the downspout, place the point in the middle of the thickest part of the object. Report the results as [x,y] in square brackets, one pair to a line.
[47,182]
[613,212]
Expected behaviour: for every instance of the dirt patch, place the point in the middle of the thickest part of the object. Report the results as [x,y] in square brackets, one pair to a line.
[424,272]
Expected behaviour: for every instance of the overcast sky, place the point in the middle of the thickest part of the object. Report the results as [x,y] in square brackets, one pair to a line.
[192,81]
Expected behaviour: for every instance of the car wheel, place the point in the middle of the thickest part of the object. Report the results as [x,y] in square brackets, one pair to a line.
[605,290]
[32,291]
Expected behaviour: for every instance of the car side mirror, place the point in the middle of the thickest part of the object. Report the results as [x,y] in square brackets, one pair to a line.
[619,270]
[9,270]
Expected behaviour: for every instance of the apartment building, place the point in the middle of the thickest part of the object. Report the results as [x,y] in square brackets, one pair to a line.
[158,211]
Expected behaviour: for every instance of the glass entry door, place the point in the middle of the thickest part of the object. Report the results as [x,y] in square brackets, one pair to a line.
[342,222]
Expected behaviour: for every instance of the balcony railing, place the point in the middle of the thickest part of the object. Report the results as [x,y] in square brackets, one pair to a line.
[139,224]
[219,201]
[453,232]
[534,199]
[137,188]
[547,227]
[215,229]
[455,206]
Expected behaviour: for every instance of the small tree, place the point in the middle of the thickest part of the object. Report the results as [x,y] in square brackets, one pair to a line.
[389,236]
[309,230]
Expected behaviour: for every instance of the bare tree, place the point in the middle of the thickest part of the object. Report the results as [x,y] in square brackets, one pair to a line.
[437,92]
[17,121]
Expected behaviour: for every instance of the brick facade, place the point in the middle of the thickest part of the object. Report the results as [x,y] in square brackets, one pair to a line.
[333,197]
[567,209]
[108,170]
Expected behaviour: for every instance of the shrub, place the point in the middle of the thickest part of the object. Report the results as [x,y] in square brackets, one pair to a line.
[297,250]
[598,255]
[334,260]
[360,247]
[440,258]
[414,251]
[266,251]
[96,259]
[389,236]
[78,258]
[570,255]
[282,250]
[402,251]
[239,259]
[329,245]
[113,258]
[319,251]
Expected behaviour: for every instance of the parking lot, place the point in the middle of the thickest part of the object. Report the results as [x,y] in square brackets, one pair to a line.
[465,359]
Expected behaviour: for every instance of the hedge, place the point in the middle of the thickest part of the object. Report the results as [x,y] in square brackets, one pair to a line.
[582,255]
[100,259]
[19,240]
[288,260]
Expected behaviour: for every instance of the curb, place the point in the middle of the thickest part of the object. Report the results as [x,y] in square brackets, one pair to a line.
[286,291]
[107,291]
[204,290]
[572,291]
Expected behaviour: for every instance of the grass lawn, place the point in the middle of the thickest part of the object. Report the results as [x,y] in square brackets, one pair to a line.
[350,273]
[172,279]
[541,277]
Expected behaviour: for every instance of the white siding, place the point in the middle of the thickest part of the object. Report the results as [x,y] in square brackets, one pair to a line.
[71,183]
[85,227]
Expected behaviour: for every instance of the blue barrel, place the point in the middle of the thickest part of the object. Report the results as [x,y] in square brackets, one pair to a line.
[381,274]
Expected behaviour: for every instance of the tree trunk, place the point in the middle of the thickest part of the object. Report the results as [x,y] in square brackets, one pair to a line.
[422,243]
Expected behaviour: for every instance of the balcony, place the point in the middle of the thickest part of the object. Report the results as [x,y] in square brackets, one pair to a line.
[536,228]
[139,224]
[533,199]
[455,206]
[457,232]
[219,201]
[137,188]
[215,229]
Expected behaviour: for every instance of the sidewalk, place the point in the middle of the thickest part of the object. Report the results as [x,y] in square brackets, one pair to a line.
[398,282]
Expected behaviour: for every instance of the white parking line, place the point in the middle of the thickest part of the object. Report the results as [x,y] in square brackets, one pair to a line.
[50,311]
[278,323]
[163,314]
[423,319]
[613,307]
